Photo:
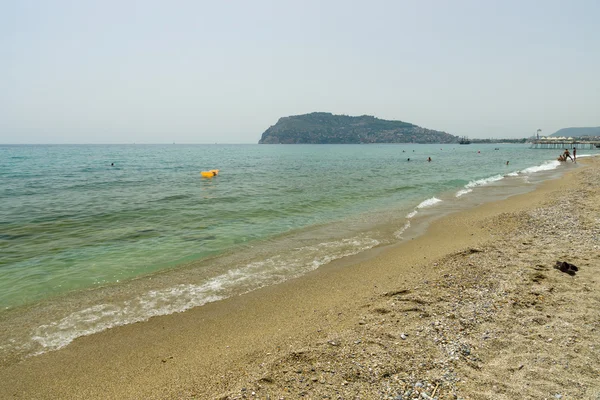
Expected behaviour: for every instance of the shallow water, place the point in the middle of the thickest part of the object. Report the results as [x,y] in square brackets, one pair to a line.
[85,246]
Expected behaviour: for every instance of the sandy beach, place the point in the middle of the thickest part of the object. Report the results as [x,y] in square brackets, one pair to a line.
[477,308]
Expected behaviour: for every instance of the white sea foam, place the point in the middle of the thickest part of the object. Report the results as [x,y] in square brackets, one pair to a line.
[399,232]
[429,202]
[58,334]
[90,320]
[426,203]
[411,214]
[480,182]
[548,166]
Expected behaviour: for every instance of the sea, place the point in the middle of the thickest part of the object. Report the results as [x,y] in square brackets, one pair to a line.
[97,236]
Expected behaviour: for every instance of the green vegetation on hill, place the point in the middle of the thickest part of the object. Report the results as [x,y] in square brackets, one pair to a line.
[323,128]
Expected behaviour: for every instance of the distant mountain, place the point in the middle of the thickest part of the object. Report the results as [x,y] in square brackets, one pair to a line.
[577,132]
[321,128]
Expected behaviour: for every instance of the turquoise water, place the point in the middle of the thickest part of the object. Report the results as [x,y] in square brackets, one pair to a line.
[150,236]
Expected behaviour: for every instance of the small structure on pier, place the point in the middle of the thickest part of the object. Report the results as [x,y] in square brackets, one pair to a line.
[562,143]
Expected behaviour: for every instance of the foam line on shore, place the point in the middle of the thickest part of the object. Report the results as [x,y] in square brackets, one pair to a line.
[468,188]
[480,182]
[58,334]
[547,166]
[429,202]
[424,204]
[399,232]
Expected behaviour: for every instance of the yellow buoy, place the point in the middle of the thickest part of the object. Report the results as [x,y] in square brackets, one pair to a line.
[209,174]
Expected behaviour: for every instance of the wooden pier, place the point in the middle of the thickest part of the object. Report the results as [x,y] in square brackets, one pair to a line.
[564,144]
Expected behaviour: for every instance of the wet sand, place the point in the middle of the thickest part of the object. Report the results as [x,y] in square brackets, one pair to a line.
[473,309]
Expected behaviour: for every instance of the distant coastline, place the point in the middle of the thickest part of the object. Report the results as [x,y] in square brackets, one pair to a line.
[577,132]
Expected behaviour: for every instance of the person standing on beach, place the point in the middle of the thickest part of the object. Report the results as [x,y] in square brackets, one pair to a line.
[567,154]
[574,154]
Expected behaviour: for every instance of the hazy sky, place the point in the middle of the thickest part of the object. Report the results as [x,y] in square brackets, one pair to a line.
[224,71]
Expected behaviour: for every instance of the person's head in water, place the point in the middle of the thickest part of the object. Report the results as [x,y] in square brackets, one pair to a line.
[112,164]
[408,159]
[507,163]
[429,159]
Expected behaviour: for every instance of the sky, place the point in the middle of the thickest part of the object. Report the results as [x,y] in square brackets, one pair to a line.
[157,71]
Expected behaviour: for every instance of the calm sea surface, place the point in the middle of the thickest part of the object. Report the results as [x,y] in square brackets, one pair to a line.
[85,246]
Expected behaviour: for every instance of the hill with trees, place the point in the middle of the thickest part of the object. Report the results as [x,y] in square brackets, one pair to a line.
[323,128]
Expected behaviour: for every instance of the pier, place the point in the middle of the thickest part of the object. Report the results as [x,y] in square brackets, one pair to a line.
[564,144]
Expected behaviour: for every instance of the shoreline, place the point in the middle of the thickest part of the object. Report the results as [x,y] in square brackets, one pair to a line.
[247,341]
[398,195]
[53,323]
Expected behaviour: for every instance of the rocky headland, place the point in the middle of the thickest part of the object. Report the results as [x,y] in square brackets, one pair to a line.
[327,128]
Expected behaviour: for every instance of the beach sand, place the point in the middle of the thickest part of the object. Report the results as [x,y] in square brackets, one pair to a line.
[473,309]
